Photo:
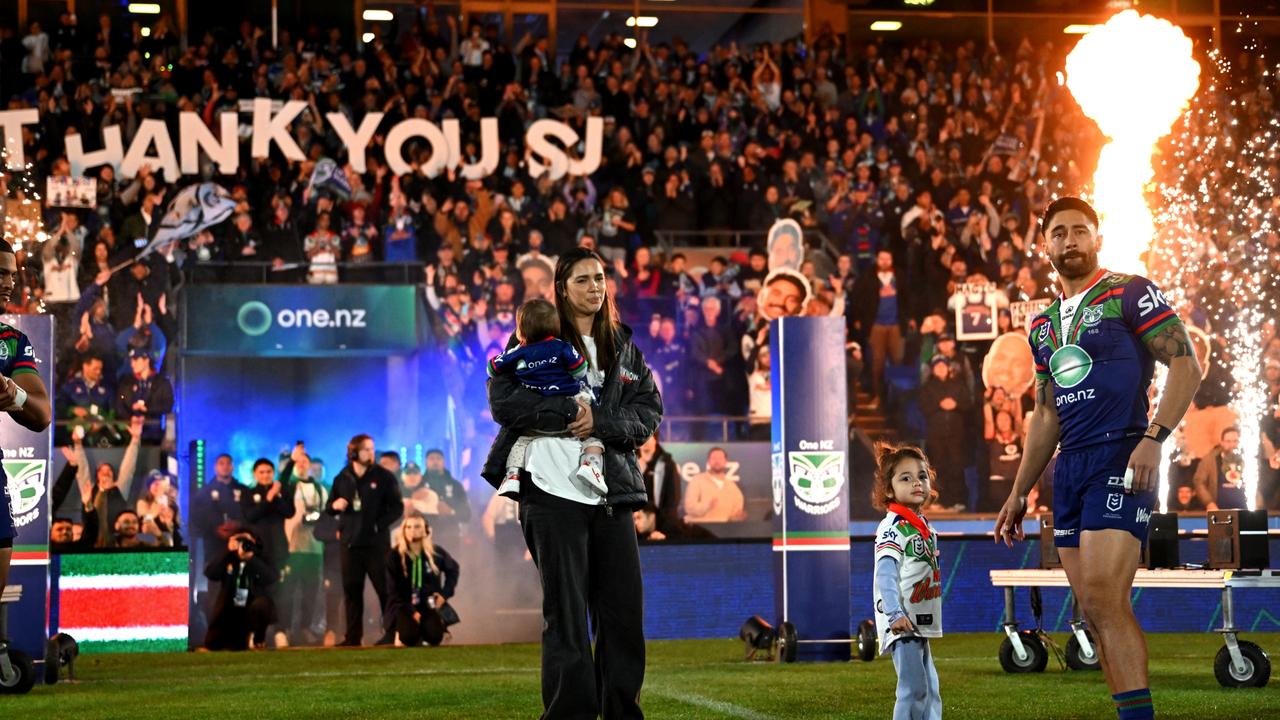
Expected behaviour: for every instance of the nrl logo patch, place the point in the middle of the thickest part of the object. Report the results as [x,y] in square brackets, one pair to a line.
[1044,334]
[816,478]
[25,489]
[1114,502]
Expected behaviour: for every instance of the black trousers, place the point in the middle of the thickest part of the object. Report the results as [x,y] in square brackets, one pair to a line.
[589,564]
[413,633]
[332,586]
[357,563]
[230,629]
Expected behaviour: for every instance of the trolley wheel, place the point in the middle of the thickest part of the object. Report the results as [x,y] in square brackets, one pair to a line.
[1257,667]
[787,642]
[1037,655]
[22,682]
[1077,660]
[867,640]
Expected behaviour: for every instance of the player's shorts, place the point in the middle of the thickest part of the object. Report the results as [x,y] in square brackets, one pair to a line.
[8,531]
[1088,494]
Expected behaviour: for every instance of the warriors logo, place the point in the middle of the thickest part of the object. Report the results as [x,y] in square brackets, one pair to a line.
[817,478]
[26,489]
[1092,315]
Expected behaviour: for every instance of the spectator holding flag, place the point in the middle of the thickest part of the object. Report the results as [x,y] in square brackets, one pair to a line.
[328,177]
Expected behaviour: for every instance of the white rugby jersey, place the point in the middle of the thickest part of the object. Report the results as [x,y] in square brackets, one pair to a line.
[919,579]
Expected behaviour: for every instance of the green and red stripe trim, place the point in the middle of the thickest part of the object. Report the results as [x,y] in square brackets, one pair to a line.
[812,537]
[1156,323]
[31,552]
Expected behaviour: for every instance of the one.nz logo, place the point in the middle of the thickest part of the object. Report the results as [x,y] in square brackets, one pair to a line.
[817,478]
[26,489]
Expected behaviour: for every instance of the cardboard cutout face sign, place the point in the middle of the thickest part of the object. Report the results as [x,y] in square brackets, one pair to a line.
[539,279]
[785,291]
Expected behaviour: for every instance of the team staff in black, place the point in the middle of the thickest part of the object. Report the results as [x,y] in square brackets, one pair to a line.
[244,605]
[584,545]
[366,499]
[421,577]
[265,506]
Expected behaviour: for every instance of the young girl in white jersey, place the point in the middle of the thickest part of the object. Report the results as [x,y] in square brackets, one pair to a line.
[907,586]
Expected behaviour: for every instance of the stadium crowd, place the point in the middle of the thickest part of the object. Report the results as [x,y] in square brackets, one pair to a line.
[916,168]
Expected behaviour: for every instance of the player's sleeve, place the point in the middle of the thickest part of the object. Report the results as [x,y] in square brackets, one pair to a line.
[1038,326]
[1145,309]
[24,360]
[501,362]
[574,362]
[889,544]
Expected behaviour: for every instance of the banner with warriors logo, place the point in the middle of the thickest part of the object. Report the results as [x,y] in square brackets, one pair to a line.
[810,468]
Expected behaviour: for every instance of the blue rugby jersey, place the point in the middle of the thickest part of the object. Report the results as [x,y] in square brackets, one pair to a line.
[1100,367]
[551,366]
[17,357]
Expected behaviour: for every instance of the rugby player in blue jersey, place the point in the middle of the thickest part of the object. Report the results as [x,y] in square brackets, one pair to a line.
[1095,350]
[23,396]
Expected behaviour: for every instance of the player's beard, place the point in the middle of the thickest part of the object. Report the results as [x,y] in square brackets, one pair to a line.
[1076,264]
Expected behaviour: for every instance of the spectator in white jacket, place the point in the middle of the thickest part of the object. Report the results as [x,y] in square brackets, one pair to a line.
[61,260]
[37,44]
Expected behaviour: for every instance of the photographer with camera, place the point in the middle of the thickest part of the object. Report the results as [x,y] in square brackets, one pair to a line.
[366,499]
[421,577]
[244,608]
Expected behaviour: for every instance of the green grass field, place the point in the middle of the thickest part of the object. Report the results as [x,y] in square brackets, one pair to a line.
[686,679]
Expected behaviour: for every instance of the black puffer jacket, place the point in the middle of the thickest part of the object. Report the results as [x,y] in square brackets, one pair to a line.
[627,413]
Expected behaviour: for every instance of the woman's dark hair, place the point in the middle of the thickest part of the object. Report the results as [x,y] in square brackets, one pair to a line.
[537,320]
[604,326]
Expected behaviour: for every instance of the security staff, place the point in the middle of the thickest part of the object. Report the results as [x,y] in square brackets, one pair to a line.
[215,508]
[366,499]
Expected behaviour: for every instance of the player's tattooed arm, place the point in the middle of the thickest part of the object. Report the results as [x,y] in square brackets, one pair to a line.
[1171,342]
[1044,392]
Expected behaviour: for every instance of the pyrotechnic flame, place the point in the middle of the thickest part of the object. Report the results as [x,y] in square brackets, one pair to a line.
[1133,76]
[1216,181]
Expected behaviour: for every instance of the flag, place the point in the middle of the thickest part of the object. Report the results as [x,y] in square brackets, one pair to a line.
[330,177]
[194,208]
[128,602]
